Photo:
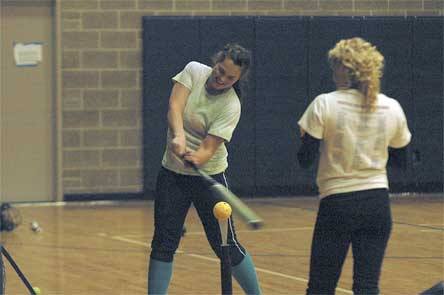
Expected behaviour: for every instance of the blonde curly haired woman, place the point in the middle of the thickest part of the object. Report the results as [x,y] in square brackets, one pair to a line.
[352,128]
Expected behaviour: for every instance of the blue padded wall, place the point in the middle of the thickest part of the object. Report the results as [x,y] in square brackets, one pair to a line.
[428,97]
[281,97]
[290,69]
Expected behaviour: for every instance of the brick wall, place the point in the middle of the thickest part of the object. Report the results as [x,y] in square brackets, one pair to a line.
[101,75]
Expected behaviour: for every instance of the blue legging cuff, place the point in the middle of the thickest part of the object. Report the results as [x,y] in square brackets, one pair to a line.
[159,276]
[245,275]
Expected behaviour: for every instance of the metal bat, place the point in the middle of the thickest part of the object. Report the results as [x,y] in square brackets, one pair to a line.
[239,207]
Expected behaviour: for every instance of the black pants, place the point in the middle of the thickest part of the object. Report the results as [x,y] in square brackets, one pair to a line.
[174,195]
[362,219]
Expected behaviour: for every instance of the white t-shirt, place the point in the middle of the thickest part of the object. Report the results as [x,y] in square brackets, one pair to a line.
[354,146]
[204,114]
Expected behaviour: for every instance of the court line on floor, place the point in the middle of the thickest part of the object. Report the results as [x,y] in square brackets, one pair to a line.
[257,231]
[258,269]
[199,233]
[432,231]
[432,224]
[418,225]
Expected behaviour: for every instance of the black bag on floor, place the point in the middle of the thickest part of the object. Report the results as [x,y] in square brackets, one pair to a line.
[10,217]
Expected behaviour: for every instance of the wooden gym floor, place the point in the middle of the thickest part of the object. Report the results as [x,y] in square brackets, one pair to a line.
[103,248]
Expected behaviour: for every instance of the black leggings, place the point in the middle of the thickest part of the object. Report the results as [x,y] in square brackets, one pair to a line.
[362,219]
[174,195]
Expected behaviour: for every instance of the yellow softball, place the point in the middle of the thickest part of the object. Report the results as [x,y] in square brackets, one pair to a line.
[222,211]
